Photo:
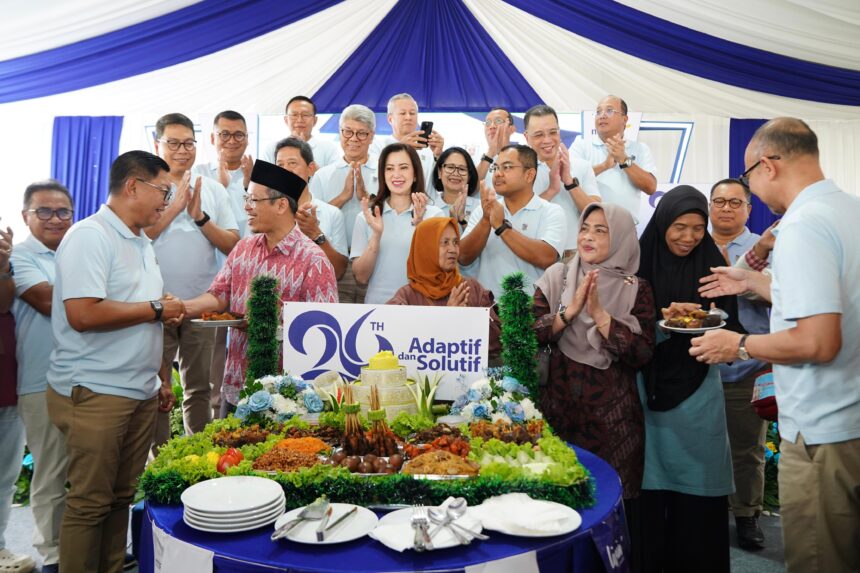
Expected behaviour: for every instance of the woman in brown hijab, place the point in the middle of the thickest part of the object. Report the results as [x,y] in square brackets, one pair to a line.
[598,319]
[434,275]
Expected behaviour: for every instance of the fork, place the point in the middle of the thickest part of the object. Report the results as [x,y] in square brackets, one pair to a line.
[421,519]
[418,542]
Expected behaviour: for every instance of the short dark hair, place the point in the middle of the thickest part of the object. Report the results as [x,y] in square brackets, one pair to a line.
[172,119]
[470,166]
[300,98]
[732,181]
[229,115]
[507,113]
[526,154]
[539,110]
[787,137]
[417,184]
[45,185]
[134,164]
[304,149]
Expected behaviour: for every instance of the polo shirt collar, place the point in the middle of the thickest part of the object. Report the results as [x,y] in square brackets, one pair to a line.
[742,238]
[810,193]
[386,207]
[37,245]
[114,221]
[371,163]
[533,205]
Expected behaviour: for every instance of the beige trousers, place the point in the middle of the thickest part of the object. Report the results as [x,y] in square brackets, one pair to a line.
[819,494]
[50,468]
[107,439]
[193,346]
[747,433]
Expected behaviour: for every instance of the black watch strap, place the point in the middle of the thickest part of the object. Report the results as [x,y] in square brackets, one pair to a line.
[487,158]
[573,184]
[503,227]
[202,221]
[158,308]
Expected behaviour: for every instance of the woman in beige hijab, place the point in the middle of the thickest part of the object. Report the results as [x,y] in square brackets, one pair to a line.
[598,319]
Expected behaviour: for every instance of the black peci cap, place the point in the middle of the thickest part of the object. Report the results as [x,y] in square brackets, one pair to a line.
[279,179]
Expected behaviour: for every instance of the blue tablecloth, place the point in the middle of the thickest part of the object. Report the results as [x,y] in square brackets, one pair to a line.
[598,545]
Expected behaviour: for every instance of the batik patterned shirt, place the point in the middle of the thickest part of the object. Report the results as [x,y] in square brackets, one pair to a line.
[304,274]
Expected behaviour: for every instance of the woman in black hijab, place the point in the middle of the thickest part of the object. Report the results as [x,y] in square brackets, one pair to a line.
[688,470]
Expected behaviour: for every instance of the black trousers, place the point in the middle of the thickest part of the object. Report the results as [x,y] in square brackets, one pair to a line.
[679,533]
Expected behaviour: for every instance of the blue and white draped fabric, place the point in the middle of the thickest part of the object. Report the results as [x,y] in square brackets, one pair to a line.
[731,59]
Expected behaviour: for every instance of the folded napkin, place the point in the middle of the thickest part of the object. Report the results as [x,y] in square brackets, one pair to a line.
[519,514]
[397,533]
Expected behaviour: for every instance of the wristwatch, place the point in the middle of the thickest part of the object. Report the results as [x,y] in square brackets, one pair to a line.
[321,238]
[573,184]
[742,349]
[627,162]
[562,316]
[487,158]
[8,274]
[202,221]
[503,227]
[158,308]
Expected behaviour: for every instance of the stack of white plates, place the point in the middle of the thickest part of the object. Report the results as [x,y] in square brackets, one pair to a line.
[229,504]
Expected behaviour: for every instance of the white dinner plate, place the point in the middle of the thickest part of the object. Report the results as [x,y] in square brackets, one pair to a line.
[662,324]
[217,528]
[215,517]
[353,527]
[441,540]
[233,494]
[199,322]
[500,520]
[235,519]
[264,518]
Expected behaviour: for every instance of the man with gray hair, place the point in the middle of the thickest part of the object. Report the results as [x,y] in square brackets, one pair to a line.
[403,117]
[348,180]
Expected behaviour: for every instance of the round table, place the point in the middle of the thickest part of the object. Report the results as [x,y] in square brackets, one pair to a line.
[600,544]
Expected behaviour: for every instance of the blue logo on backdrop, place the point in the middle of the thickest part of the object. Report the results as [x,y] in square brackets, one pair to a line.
[335,342]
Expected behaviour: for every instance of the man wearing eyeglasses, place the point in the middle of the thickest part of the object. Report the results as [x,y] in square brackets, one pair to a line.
[498,129]
[566,181]
[197,224]
[48,214]
[344,183]
[516,231]
[623,168]
[301,118]
[730,209]
[815,325]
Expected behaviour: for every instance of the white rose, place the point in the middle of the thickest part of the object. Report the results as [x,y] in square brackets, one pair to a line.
[500,416]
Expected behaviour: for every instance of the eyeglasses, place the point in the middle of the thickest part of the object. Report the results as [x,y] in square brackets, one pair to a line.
[450,169]
[504,167]
[720,202]
[252,201]
[238,136]
[497,121]
[359,135]
[174,145]
[168,192]
[745,176]
[302,115]
[608,112]
[46,213]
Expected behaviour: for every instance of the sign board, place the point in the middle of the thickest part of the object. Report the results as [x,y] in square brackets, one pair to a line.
[452,341]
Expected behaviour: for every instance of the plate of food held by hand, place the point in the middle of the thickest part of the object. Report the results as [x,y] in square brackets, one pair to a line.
[217,319]
[694,322]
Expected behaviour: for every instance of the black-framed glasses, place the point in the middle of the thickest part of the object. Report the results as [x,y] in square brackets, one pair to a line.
[734,203]
[46,213]
[174,145]
[504,167]
[299,115]
[225,136]
[745,176]
[252,201]
[359,135]
[497,121]
[450,169]
[168,192]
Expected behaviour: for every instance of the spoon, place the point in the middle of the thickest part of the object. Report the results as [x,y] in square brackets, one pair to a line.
[457,509]
[718,311]
[443,520]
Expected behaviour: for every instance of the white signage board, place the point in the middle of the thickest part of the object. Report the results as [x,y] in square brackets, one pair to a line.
[426,339]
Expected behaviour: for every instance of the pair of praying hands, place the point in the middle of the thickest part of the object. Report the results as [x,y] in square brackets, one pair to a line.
[459,295]
[188,199]
[246,164]
[493,211]
[497,141]
[559,170]
[5,247]
[587,298]
[353,185]
[615,151]
[374,218]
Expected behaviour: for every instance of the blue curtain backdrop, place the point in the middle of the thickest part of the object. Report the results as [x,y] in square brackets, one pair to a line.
[740,133]
[82,151]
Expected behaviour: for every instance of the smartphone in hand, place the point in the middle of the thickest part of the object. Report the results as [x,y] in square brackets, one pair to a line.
[427,129]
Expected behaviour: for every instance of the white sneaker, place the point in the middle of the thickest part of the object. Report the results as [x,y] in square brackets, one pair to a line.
[15,563]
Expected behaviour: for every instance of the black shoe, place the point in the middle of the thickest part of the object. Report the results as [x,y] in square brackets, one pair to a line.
[750,535]
[130,562]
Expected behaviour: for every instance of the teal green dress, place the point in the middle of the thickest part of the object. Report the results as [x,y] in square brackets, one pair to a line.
[687,447]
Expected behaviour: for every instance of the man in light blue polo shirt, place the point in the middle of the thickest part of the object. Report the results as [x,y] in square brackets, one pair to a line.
[623,168]
[300,116]
[518,232]
[48,214]
[103,389]
[730,209]
[815,325]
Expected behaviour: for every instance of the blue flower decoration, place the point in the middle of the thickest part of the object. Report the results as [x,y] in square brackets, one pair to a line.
[480,411]
[312,402]
[514,411]
[242,411]
[474,395]
[511,384]
[260,401]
